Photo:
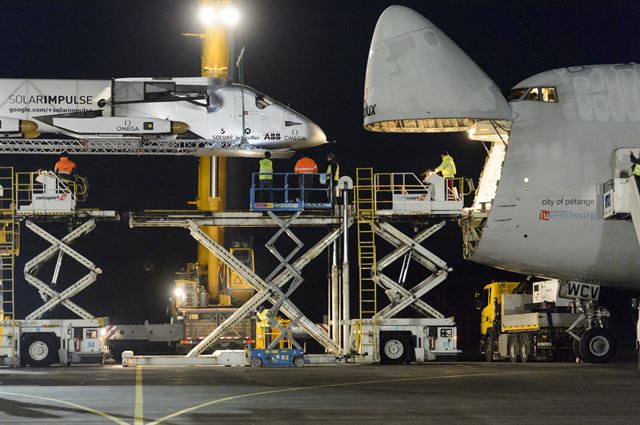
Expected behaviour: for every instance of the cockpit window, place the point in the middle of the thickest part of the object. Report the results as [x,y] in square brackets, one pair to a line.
[535,94]
[532,94]
[548,94]
[516,94]
[263,101]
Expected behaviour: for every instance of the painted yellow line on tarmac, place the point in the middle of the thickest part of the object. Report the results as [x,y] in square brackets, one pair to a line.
[68,403]
[342,384]
[139,409]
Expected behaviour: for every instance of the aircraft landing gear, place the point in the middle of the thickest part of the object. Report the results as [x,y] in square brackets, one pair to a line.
[593,341]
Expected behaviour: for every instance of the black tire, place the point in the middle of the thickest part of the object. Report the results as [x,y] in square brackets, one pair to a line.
[39,350]
[488,347]
[525,348]
[298,361]
[513,348]
[597,345]
[256,362]
[394,348]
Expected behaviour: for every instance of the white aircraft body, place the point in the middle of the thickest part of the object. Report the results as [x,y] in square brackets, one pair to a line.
[560,136]
[212,110]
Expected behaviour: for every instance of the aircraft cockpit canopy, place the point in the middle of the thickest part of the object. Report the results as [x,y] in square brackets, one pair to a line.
[262,101]
[536,94]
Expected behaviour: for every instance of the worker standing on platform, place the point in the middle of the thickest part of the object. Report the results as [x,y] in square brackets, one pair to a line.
[305,168]
[266,178]
[448,170]
[65,168]
[636,168]
[262,319]
[333,173]
[333,170]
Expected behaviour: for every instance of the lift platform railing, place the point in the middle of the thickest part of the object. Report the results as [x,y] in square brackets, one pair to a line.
[394,191]
[44,192]
[292,192]
[407,194]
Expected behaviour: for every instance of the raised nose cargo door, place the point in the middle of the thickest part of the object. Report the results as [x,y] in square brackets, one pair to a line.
[418,80]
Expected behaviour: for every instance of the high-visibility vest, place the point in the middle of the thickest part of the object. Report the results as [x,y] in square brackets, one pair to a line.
[263,318]
[65,166]
[266,169]
[305,165]
[636,170]
[335,173]
[447,167]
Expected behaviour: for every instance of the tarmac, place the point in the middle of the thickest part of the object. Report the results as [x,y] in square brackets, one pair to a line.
[433,393]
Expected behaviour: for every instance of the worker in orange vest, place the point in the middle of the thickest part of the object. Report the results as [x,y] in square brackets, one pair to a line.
[65,168]
[305,168]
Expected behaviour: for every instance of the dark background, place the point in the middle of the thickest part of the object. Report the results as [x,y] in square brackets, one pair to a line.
[312,55]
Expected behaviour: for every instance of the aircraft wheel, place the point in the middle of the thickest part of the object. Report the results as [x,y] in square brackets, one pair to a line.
[513,348]
[256,362]
[525,348]
[39,350]
[597,345]
[298,361]
[394,348]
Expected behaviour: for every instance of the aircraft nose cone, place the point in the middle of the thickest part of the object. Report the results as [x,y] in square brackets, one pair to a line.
[315,135]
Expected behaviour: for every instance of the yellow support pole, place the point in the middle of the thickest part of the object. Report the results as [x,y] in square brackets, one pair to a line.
[212,171]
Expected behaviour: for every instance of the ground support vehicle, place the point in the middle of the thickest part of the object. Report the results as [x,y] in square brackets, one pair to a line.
[554,321]
[40,343]
[278,357]
[397,341]
[186,331]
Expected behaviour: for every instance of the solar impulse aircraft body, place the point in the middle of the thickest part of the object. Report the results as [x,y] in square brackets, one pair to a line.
[208,109]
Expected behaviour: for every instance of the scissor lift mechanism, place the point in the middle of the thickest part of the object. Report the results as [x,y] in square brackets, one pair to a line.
[60,247]
[278,285]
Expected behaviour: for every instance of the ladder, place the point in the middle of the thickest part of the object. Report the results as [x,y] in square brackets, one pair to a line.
[365,216]
[9,243]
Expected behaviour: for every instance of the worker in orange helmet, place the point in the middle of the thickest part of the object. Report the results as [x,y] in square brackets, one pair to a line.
[65,168]
[305,168]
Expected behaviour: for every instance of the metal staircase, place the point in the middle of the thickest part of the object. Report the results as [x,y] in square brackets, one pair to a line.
[365,216]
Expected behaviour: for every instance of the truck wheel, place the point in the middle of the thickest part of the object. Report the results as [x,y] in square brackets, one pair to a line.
[394,348]
[256,362]
[39,350]
[597,345]
[488,347]
[298,361]
[525,348]
[513,348]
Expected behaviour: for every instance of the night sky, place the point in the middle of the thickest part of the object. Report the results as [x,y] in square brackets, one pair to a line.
[311,55]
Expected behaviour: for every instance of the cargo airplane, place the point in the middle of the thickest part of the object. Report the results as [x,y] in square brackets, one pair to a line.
[554,198]
[220,114]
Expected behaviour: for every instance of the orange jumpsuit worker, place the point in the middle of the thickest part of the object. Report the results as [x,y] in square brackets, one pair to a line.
[65,167]
[305,168]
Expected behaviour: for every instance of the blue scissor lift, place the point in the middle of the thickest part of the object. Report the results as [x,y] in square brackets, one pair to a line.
[288,194]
